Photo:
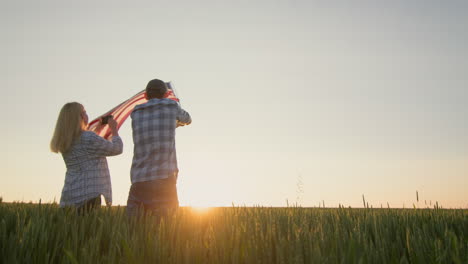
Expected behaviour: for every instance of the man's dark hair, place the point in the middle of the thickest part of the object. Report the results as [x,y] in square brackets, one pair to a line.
[156,89]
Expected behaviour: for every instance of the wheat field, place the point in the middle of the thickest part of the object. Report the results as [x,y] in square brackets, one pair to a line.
[44,233]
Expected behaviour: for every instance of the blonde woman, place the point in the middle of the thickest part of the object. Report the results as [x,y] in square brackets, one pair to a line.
[84,153]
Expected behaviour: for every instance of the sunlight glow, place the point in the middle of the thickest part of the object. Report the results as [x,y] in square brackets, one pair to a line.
[201,209]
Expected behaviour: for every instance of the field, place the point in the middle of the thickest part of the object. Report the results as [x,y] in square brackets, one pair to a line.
[32,233]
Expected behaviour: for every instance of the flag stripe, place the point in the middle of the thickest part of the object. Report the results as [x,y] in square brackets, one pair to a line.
[122,111]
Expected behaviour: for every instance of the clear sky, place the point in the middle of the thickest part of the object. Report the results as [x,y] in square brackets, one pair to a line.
[299,101]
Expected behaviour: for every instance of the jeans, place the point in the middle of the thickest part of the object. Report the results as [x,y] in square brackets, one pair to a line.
[155,197]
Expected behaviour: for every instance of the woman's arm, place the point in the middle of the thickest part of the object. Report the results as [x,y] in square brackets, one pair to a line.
[102,147]
[113,127]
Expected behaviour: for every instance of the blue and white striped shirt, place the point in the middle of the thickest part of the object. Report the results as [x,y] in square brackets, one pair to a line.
[153,126]
[87,173]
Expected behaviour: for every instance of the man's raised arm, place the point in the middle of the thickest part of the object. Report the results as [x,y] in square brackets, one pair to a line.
[183,118]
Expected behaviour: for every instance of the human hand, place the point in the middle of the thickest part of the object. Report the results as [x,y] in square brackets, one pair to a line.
[112,124]
[179,124]
[99,128]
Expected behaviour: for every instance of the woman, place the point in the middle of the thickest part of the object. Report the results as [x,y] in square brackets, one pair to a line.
[84,153]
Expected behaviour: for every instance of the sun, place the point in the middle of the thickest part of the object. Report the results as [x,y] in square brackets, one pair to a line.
[197,202]
[201,209]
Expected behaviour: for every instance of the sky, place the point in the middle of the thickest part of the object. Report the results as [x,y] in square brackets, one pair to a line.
[293,102]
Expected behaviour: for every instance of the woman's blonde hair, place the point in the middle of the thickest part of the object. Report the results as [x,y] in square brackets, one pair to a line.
[69,126]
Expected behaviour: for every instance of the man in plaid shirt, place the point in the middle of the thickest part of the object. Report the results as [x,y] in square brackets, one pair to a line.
[154,167]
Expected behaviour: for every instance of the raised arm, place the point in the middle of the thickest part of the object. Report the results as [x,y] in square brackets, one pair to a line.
[102,147]
[183,118]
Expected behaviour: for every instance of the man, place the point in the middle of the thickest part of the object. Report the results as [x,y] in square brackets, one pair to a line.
[154,167]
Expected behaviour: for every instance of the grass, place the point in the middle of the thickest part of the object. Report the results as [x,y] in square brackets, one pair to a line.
[31,233]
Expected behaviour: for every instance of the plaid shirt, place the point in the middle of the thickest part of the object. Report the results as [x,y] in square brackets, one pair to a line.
[87,172]
[153,126]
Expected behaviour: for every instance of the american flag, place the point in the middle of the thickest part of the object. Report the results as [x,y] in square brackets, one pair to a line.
[123,110]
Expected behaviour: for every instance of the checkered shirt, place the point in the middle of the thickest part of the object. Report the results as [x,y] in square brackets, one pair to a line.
[153,126]
[87,173]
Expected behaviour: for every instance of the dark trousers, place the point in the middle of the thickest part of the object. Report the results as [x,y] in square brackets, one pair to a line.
[155,197]
[89,205]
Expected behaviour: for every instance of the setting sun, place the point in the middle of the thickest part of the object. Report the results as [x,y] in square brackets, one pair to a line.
[201,209]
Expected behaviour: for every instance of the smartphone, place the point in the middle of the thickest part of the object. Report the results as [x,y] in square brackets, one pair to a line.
[105,119]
